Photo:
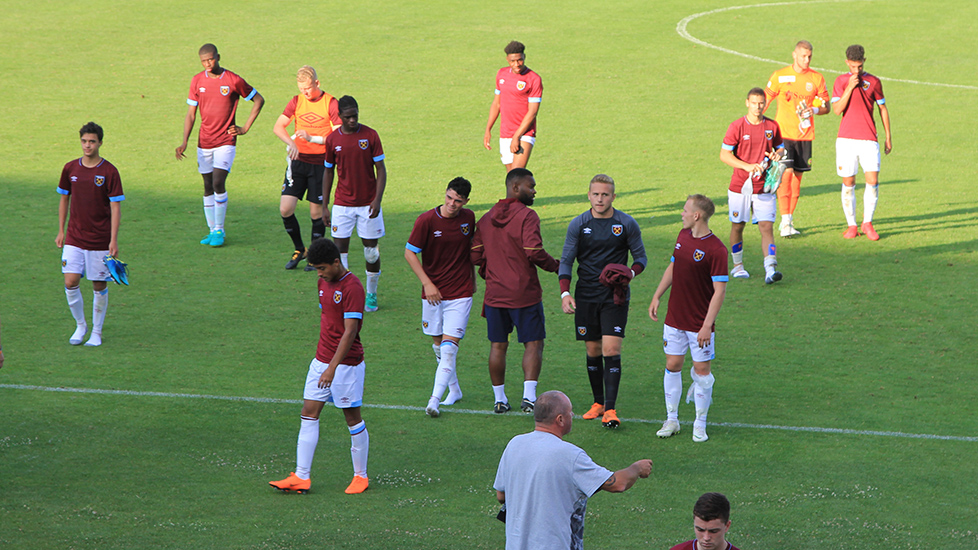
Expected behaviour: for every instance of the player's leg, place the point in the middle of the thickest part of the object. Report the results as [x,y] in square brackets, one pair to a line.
[444,375]
[611,354]
[847,165]
[291,192]
[701,390]
[675,345]
[531,331]
[522,155]
[765,211]
[869,158]
[371,253]
[100,303]
[737,247]
[784,198]
[314,194]
[505,155]
[588,330]
[347,393]
[802,157]
[205,165]
[219,178]
[432,318]
[455,321]
[343,221]
[73,266]
[499,325]
[314,398]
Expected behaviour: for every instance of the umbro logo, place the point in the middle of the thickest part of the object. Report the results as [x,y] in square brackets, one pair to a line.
[617,329]
[437,233]
[338,148]
[74,179]
[587,230]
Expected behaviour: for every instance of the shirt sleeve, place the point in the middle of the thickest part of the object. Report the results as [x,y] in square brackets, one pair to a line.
[718,263]
[192,98]
[732,138]
[536,90]
[839,88]
[64,186]
[115,187]
[588,476]
[416,241]
[289,111]
[376,149]
[354,300]
[533,244]
[330,152]
[244,89]
[635,244]
[569,254]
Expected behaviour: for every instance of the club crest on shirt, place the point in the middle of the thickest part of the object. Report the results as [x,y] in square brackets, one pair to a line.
[363,144]
[99,181]
[582,330]
[809,87]
[616,229]
[865,84]
[337,296]
[520,84]
[698,255]
[225,90]
[465,228]
[769,134]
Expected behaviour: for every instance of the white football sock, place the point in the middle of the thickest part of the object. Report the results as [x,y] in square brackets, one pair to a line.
[220,210]
[446,366]
[100,302]
[702,390]
[770,264]
[672,386]
[437,349]
[849,204]
[76,304]
[209,211]
[737,251]
[344,259]
[308,439]
[372,280]
[530,390]
[870,195]
[359,448]
[499,393]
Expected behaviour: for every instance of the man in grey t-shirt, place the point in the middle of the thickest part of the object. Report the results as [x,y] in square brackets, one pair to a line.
[545,482]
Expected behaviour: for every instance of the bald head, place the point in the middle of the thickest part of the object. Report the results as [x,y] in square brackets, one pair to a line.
[549,405]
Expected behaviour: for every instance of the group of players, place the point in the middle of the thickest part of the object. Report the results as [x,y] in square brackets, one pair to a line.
[447,244]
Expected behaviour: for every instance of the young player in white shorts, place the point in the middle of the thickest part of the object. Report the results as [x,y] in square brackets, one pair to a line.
[506,155]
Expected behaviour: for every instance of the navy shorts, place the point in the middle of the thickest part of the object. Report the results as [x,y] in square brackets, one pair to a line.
[529,323]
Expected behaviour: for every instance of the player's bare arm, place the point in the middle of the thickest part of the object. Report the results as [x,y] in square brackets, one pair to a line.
[281,124]
[839,106]
[885,118]
[115,213]
[431,292]
[327,192]
[719,292]
[664,285]
[257,103]
[350,328]
[531,115]
[493,115]
[381,169]
[732,161]
[59,241]
[623,479]
[188,127]
[501,497]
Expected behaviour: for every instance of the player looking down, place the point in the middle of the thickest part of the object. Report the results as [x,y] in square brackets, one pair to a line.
[518,94]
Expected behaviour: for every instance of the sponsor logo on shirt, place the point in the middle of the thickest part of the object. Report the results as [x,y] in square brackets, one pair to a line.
[616,229]
[520,85]
[99,181]
[363,144]
[769,134]
[465,228]
[582,330]
[225,90]
[786,78]
[698,255]
[337,296]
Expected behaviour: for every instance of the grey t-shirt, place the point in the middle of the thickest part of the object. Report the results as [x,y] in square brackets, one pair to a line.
[547,482]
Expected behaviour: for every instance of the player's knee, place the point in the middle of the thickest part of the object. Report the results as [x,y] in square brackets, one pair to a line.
[704,381]
[371,254]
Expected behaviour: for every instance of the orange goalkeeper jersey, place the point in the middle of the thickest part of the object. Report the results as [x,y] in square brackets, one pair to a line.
[790,88]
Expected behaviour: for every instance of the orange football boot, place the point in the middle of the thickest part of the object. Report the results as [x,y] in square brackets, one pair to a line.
[357,486]
[596,410]
[292,483]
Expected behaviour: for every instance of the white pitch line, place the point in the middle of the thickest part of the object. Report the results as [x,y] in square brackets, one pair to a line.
[681,29]
[130,393]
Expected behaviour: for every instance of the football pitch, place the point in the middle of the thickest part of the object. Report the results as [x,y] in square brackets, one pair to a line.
[844,413]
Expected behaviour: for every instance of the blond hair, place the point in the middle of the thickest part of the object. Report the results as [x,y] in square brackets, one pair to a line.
[306,74]
[703,204]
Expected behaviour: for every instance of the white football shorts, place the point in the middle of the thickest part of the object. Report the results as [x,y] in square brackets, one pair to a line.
[763,205]
[450,317]
[850,154]
[504,153]
[220,157]
[677,342]
[345,218]
[346,390]
[85,262]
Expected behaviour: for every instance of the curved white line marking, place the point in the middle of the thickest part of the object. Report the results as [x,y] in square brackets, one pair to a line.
[681,29]
[130,393]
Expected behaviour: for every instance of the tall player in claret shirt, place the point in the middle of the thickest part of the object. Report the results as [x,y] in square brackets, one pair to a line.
[316,115]
[697,274]
[853,97]
[355,153]
[215,91]
[519,92]
[336,373]
[443,237]
[91,191]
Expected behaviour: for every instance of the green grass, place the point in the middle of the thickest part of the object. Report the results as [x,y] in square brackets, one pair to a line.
[874,337]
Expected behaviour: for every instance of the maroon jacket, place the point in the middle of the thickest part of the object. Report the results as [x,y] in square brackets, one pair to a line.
[507,248]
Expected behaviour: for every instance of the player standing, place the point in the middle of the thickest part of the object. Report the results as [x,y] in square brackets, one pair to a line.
[215,91]
[519,92]
[354,151]
[91,191]
[752,142]
[801,95]
[697,273]
[600,237]
[507,247]
[336,373]
[853,96]
[316,115]
[443,237]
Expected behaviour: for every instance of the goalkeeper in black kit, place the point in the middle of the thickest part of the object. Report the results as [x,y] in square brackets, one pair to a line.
[600,240]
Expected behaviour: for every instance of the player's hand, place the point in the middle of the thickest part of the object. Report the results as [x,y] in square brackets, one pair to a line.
[302,134]
[293,151]
[327,377]
[113,249]
[374,209]
[326,217]
[487,139]
[432,294]
[703,337]
[180,150]
[888,146]
[853,82]
[644,467]
[237,130]
[568,304]
[59,241]
[654,309]
[515,146]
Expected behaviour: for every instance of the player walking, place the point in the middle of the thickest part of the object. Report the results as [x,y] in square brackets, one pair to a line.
[316,115]
[697,273]
[216,91]
[853,97]
[336,373]
[752,142]
[354,151]
[91,191]
[598,238]
[801,95]
[519,92]
[443,237]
